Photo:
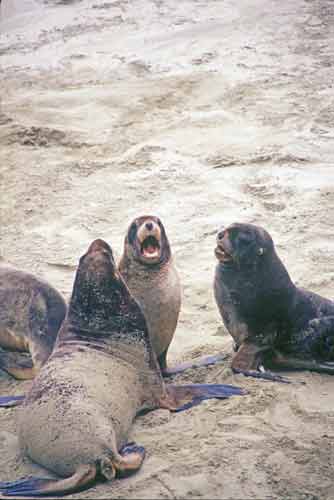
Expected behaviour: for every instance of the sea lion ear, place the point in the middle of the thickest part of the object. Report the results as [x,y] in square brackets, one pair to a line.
[260,251]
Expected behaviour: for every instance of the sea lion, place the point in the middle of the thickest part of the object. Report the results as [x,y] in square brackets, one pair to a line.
[148,269]
[268,316]
[101,373]
[31,313]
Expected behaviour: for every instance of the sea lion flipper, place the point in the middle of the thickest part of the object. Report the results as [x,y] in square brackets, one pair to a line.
[286,362]
[132,457]
[247,362]
[205,361]
[182,397]
[18,365]
[39,487]
[9,401]
[265,375]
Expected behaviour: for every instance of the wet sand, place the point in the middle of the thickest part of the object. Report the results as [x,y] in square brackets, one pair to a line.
[202,113]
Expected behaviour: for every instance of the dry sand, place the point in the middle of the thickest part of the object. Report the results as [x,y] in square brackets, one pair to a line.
[202,112]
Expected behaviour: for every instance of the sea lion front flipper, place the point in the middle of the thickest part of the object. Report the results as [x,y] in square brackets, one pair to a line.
[247,361]
[41,487]
[17,364]
[182,397]
[205,361]
[9,401]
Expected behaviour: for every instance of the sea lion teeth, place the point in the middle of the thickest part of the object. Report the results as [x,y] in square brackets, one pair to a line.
[269,318]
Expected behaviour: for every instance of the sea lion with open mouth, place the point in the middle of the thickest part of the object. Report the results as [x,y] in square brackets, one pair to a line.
[148,269]
[103,371]
[31,313]
[269,318]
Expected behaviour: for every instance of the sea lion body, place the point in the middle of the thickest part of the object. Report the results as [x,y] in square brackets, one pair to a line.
[31,313]
[87,400]
[153,281]
[103,370]
[261,307]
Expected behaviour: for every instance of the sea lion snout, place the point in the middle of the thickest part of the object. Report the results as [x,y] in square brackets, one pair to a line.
[223,250]
[146,240]
[99,246]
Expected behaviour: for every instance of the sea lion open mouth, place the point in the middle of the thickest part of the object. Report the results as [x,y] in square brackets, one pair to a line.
[150,248]
[222,255]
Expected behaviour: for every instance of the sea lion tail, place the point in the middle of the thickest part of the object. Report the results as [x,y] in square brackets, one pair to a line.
[9,401]
[182,397]
[43,487]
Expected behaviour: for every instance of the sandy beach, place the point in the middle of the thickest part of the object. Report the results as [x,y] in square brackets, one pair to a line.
[203,113]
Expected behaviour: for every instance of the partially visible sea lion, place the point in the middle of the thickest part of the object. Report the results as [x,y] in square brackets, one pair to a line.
[269,318]
[31,313]
[76,418]
[148,269]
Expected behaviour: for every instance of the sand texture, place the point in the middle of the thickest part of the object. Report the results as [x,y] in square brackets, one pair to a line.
[203,113]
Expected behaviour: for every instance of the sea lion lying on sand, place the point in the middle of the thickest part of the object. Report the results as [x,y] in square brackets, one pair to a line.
[270,319]
[102,372]
[148,269]
[31,313]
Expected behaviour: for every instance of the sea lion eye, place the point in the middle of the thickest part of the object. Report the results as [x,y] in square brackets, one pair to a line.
[132,232]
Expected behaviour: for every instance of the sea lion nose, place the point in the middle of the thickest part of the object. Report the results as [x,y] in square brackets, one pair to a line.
[149,226]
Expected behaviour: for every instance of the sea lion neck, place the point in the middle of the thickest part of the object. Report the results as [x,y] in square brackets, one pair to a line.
[266,285]
[101,306]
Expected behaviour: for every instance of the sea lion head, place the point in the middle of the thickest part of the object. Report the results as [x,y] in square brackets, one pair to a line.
[243,245]
[146,241]
[100,300]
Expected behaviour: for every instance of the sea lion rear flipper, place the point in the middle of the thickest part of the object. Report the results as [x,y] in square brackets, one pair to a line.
[205,361]
[9,401]
[39,487]
[182,397]
[285,362]
[132,457]
[18,365]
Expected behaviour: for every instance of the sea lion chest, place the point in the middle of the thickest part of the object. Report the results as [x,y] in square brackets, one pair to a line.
[158,292]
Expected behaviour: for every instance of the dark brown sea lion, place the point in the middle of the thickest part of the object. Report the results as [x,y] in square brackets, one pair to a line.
[31,313]
[270,319]
[148,269]
[102,372]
